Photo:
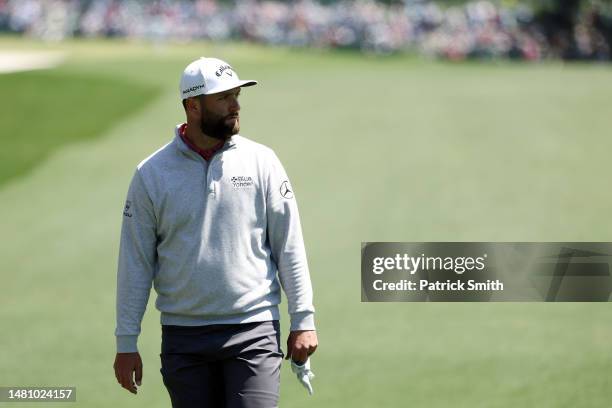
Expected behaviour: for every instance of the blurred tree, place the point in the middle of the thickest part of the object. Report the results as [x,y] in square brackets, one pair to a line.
[558,20]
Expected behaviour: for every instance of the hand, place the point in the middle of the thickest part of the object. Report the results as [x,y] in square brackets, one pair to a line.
[128,365]
[301,344]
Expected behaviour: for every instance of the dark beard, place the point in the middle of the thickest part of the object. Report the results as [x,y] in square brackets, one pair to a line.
[216,127]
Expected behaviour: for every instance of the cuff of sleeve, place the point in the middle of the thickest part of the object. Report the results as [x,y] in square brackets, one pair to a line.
[302,321]
[127,344]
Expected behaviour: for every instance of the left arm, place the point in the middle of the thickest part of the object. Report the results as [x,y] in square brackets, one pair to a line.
[287,245]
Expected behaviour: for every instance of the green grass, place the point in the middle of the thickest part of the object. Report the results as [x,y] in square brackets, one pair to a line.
[49,109]
[398,149]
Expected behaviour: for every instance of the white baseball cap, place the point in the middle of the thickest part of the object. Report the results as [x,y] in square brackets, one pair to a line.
[206,76]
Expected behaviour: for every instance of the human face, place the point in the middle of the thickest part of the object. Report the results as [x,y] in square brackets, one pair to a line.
[220,117]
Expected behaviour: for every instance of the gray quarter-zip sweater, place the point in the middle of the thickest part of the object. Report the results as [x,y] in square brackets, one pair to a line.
[216,240]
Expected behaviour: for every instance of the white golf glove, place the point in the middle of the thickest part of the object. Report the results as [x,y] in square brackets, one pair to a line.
[304,374]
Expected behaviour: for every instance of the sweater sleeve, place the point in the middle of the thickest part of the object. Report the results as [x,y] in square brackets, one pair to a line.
[136,265]
[287,245]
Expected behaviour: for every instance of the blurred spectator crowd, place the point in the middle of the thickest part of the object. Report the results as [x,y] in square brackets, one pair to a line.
[477,29]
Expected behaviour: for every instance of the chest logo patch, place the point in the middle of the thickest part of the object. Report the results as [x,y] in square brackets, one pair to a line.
[241,182]
[286,190]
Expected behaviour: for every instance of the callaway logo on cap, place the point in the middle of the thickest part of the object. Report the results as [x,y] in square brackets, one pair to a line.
[206,76]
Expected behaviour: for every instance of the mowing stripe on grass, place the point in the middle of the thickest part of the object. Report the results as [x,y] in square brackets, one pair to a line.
[16,61]
[49,109]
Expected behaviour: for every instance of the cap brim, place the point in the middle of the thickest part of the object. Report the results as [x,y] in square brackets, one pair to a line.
[238,84]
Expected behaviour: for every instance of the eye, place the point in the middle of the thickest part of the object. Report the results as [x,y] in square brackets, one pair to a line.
[223,97]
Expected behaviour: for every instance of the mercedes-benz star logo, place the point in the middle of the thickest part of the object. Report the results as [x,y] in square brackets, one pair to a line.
[285,190]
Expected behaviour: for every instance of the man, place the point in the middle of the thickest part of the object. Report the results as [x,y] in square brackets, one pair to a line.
[212,223]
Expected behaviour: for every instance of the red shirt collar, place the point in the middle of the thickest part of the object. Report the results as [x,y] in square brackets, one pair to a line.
[207,154]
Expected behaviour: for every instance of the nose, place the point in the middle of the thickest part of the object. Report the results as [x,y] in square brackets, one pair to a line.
[234,105]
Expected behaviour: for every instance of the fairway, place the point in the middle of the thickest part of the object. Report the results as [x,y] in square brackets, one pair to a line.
[49,109]
[378,149]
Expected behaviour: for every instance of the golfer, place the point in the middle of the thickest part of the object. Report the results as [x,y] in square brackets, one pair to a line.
[211,222]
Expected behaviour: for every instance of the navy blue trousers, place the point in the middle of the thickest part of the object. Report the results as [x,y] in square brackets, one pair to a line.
[222,365]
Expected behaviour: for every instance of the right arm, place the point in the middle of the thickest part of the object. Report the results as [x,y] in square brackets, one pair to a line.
[136,267]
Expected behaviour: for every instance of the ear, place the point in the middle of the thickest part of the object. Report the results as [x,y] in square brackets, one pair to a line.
[193,106]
